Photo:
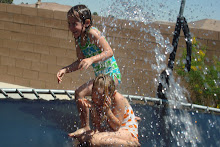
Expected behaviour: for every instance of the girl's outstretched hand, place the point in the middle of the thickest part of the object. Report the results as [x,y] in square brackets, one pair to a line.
[60,75]
[85,63]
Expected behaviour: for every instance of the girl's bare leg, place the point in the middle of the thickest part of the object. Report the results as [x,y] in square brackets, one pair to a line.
[80,93]
[119,138]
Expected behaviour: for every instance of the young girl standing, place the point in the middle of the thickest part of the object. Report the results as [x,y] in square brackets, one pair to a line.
[92,49]
[112,116]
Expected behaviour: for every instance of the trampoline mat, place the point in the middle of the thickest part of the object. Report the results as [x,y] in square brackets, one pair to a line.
[46,123]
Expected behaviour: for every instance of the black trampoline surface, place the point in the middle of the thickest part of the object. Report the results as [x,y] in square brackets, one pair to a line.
[46,123]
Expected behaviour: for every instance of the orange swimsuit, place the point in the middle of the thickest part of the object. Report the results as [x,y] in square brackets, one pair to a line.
[129,123]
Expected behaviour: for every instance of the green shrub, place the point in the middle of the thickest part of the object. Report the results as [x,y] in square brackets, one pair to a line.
[204,77]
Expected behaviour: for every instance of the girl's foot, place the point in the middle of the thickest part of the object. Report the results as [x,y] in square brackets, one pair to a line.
[79,132]
[138,119]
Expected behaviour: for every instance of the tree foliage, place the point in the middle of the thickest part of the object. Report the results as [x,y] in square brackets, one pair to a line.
[6,1]
[95,13]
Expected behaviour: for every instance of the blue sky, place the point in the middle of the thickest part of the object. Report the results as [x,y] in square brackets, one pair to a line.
[165,10]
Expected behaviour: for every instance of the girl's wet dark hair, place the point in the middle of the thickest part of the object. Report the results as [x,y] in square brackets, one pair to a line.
[81,12]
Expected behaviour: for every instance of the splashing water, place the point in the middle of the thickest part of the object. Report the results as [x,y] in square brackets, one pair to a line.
[184,131]
[181,125]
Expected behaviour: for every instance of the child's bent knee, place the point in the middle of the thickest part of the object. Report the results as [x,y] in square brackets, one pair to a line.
[77,95]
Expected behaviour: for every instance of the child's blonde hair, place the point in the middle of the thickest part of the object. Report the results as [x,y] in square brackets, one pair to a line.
[107,83]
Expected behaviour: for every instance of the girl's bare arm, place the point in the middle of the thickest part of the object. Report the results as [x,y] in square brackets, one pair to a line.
[100,41]
[75,65]
[116,114]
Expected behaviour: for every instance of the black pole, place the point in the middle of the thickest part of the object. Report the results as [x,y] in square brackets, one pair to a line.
[181,23]
[175,43]
[182,8]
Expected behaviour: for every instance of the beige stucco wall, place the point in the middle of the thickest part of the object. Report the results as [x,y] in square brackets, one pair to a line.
[35,44]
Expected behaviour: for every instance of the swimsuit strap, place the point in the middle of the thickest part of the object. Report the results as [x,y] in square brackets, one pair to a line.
[86,44]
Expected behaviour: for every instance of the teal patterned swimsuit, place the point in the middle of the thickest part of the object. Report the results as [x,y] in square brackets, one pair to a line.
[108,66]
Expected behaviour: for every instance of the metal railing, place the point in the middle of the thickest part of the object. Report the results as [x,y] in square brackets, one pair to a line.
[70,94]
[36,92]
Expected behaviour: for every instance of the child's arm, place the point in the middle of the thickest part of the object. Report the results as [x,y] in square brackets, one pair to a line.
[72,67]
[94,115]
[100,41]
[75,65]
[116,115]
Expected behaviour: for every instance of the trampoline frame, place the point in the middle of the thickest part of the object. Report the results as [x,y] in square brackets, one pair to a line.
[70,94]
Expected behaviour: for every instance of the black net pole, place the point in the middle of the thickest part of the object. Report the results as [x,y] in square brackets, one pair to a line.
[181,23]
[188,39]
[182,8]
[175,43]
